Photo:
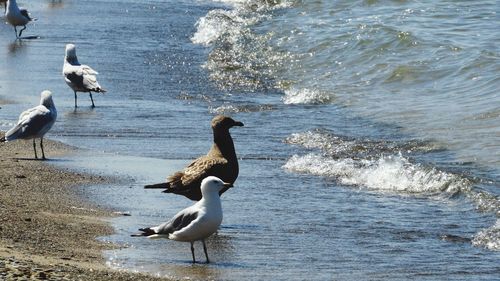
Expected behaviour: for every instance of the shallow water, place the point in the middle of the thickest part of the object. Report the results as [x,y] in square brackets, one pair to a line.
[371,139]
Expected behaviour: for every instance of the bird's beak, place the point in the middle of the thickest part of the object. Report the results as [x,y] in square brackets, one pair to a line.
[239,124]
[228,185]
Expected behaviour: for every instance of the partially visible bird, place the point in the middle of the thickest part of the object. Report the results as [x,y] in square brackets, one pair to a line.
[17,16]
[34,122]
[220,161]
[196,222]
[79,77]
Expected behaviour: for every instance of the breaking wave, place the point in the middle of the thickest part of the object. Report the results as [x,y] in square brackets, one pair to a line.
[388,173]
[488,238]
[371,164]
[380,166]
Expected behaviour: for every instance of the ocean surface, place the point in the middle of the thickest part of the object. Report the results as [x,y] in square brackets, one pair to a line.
[371,145]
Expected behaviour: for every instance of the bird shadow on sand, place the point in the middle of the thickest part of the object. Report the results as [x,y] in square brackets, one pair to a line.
[28,159]
[38,159]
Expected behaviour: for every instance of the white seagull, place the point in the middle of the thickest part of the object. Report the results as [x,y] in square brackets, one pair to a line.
[80,77]
[17,16]
[34,122]
[196,222]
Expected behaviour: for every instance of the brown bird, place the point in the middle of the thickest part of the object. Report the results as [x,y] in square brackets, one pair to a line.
[220,162]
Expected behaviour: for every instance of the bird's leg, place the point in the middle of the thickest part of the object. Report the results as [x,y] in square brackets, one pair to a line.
[192,251]
[41,146]
[75,100]
[90,93]
[205,250]
[15,30]
[34,148]
[21,31]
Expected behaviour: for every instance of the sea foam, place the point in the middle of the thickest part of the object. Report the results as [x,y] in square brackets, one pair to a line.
[212,26]
[306,96]
[388,173]
[488,238]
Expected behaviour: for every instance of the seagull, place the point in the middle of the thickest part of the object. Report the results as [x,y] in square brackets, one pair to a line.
[79,77]
[17,16]
[196,222]
[34,122]
[220,161]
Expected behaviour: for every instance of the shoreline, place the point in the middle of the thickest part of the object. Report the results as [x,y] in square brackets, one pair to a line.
[47,231]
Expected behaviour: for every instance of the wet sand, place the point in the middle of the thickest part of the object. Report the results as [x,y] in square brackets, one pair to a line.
[46,230]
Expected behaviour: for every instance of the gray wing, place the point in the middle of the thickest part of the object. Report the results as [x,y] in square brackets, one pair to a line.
[177,223]
[181,220]
[31,125]
[90,83]
[83,78]
[75,79]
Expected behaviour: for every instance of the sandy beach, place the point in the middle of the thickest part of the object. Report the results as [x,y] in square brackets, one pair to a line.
[46,231]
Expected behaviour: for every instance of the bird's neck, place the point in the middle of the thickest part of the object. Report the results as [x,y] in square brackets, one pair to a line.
[11,5]
[211,200]
[71,60]
[223,145]
[49,104]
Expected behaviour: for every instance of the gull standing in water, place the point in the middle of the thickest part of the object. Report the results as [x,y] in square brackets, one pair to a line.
[17,16]
[34,122]
[80,77]
[196,222]
[220,161]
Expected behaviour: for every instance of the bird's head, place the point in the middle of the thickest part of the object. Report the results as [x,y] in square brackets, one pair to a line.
[213,184]
[221,122]
[71,53]
[46,99]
